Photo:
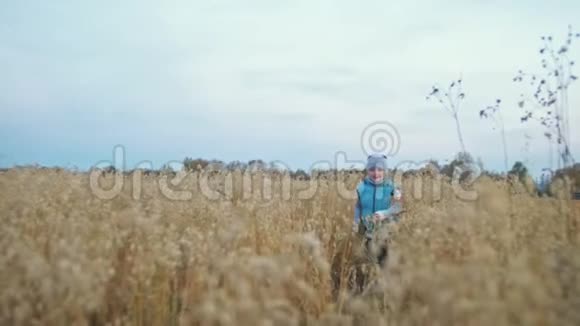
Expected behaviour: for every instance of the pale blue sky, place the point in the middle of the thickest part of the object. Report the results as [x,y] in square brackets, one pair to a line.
[294,81]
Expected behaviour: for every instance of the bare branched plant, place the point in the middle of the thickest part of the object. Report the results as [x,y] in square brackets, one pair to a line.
[548,103]
[450,101]
[493,113]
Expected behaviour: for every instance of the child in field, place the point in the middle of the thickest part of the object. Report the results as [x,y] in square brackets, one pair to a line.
[379,202]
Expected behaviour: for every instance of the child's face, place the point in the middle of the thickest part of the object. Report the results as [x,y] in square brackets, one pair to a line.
[376,174]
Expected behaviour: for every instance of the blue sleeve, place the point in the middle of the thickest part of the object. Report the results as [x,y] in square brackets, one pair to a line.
[357,210]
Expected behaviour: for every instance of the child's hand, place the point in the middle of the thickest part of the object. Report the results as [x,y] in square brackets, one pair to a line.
[397,196]
[378,217]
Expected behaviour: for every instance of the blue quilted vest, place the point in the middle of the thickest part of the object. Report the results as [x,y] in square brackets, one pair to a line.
[374,197]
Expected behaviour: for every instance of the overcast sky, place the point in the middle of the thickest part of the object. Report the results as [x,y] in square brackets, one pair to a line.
[295,81]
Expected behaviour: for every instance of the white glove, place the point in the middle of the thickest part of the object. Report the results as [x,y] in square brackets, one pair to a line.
[379,217]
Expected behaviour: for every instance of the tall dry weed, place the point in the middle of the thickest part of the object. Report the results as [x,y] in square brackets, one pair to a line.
[68,257]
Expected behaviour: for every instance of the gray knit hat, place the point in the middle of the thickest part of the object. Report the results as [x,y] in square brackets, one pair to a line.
[377,161]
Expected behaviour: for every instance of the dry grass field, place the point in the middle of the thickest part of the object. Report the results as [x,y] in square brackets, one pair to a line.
[141,258]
